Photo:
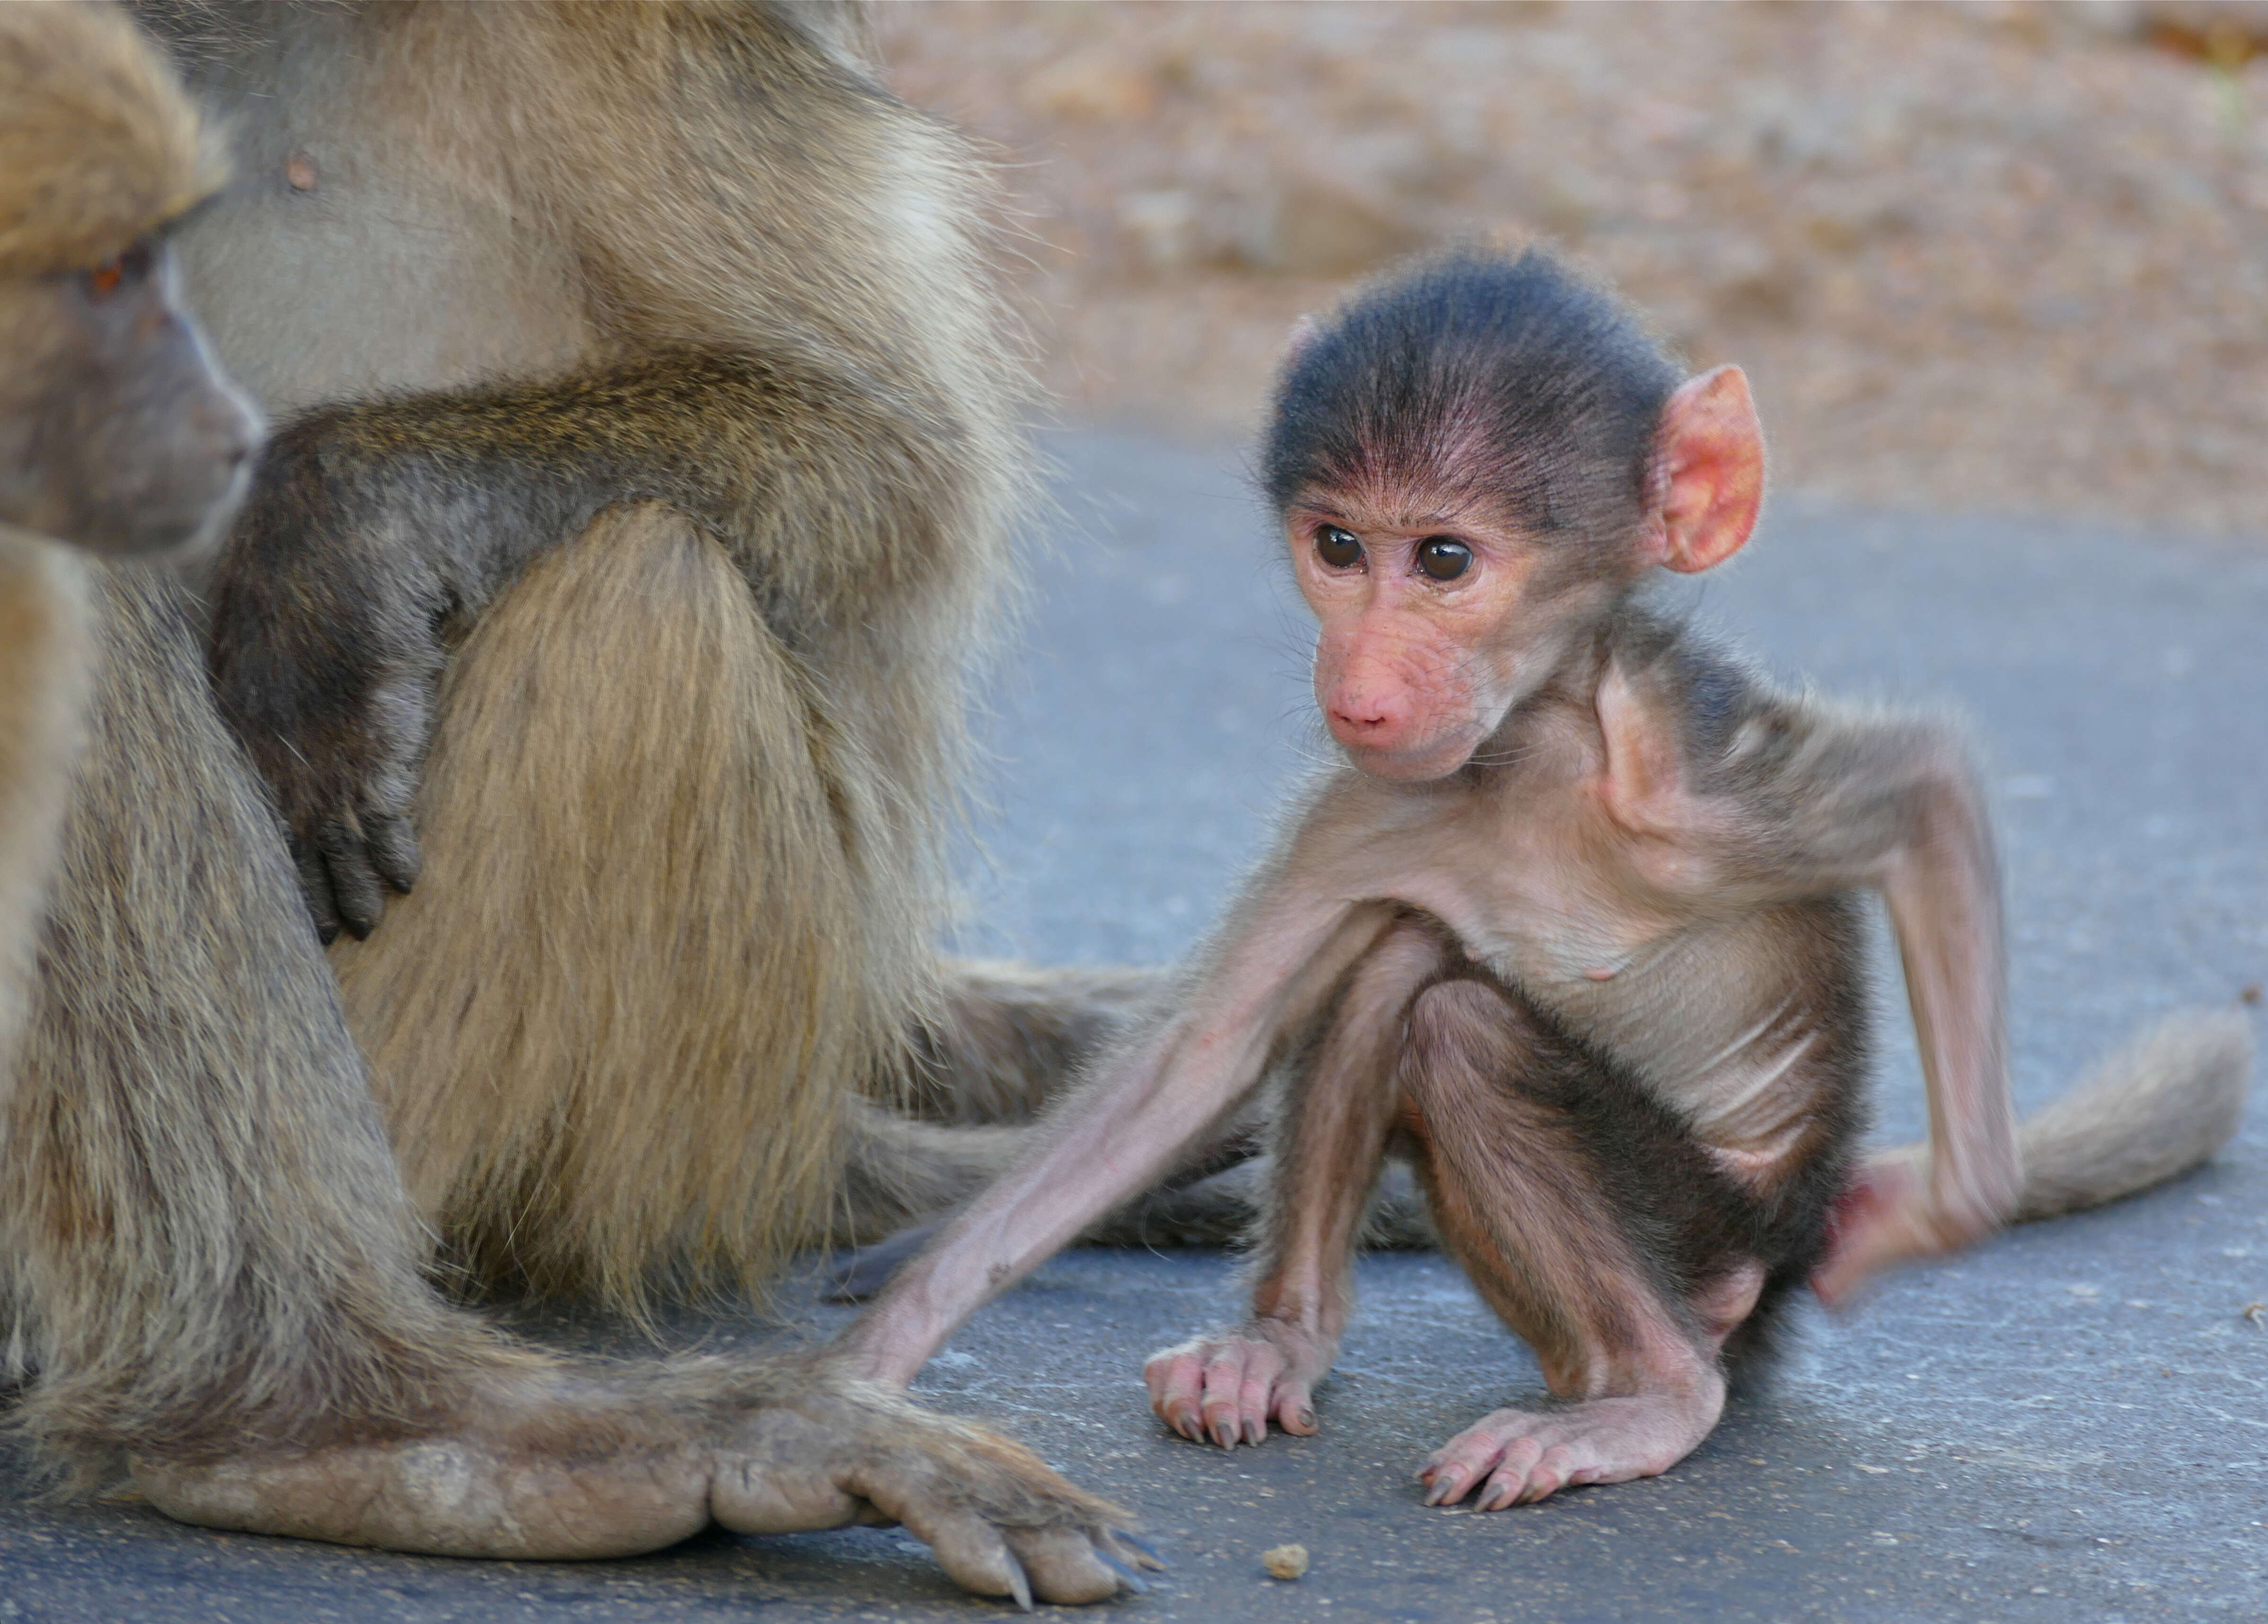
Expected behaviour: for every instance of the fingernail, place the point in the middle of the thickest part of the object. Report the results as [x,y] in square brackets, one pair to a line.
[1255,1431]
[1308,1419]
[1224,1434]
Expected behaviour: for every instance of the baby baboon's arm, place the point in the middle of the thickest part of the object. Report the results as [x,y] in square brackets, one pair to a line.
[1811,798]
[1279,955]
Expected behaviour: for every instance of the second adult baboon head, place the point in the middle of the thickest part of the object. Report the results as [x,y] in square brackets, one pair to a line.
[117,429]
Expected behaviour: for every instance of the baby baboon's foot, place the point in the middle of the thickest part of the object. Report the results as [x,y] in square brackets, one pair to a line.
[1227,1387]
[555,1468]
[1522,1457]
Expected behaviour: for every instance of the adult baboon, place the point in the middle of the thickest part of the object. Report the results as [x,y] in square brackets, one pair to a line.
[646,459]
[116,431]
[214,1271]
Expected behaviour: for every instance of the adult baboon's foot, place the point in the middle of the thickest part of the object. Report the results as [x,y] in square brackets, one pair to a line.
[566,1464]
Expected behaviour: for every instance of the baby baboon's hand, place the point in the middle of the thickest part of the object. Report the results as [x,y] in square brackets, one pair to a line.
[326,653]
[1228,1386]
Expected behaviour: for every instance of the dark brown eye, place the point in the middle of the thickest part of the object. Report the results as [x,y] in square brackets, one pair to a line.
[1338,547]
[133,266]
[1443,557]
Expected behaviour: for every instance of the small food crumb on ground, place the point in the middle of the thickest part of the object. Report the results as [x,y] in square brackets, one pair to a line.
[1285,1562]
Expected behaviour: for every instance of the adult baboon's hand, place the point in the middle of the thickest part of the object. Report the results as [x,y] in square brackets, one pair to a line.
[554,1463]
[326,652]
[1000,1521]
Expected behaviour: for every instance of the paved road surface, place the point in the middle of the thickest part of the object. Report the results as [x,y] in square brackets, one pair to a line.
[2070,1423]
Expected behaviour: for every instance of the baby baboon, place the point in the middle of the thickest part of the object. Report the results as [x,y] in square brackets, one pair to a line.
[1574,927]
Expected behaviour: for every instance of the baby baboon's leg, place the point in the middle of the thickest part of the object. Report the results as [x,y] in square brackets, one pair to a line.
[1331,1129]
[1491,1097]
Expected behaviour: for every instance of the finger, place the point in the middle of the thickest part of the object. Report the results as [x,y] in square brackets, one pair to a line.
[1177,1401]
[1295,1409]
[1223,1386]
[354,883]
[1252,1405]
[1262,1364]
[1447,1483]
[1132,1549]
[1465,1459]
[1548,1476]
[393,849]
[315,885]
[967,1547]
[1515,1471]
[976,1554]
[1065,1566]
[1126,1570]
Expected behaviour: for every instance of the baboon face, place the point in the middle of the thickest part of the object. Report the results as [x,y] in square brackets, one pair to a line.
[118,430]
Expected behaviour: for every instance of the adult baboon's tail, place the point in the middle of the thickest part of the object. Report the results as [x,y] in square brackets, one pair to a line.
[2156,1107]
[1004,1039]
[1009,1036]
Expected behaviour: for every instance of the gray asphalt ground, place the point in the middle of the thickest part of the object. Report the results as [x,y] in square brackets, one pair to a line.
[2068,1423]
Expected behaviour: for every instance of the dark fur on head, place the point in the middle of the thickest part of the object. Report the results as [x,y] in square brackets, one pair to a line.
[1510,379]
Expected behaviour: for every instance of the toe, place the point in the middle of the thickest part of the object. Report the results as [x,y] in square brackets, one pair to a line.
[1548,1476]
[1064,1566]
[973,1552]
[1446,1484]
[1295,1411]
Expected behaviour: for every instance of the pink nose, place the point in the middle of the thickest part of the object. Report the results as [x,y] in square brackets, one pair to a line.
[1365,719]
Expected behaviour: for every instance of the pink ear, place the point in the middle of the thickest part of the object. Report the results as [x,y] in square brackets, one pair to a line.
[1712,455]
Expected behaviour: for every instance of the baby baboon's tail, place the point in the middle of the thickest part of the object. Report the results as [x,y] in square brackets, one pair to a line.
[2156,1107]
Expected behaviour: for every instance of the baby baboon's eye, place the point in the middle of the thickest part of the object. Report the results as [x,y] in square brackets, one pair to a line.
[1445,558]
[1338,547]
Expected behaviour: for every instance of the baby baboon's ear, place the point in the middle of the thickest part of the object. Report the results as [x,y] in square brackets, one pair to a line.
[1711,453]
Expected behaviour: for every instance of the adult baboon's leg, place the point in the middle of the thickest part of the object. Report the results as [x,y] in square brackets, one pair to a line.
[212,1242]
[216,1271]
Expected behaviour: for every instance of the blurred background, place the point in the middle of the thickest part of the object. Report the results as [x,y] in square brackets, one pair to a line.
[1982,256]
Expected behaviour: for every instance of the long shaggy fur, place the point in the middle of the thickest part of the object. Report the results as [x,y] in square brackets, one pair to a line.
[682,819]
[207,1244]
[45,660]
[612,1027]
[2157,1107]
[96,143]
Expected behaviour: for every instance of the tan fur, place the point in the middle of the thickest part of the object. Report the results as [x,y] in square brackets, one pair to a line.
[2158,1107]
[185,1090]
[610,1027]
[97,145]
[44,666]
[210,1270]
[697,887]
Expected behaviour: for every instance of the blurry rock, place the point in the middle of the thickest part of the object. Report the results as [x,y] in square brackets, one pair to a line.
[1163,227]
[1093,84]
[1311,226]
[2227,32]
